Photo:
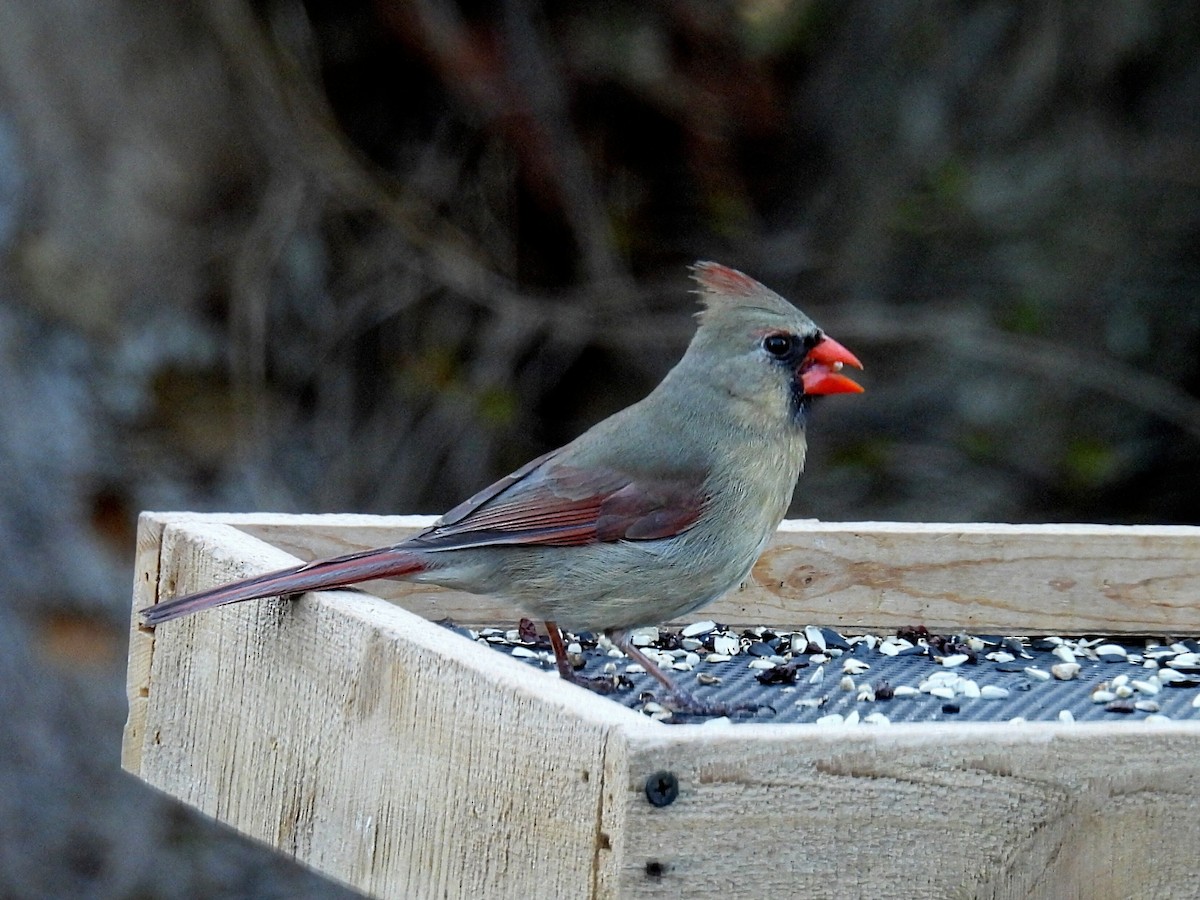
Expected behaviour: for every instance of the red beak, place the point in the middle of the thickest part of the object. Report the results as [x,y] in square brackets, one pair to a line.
[820,373]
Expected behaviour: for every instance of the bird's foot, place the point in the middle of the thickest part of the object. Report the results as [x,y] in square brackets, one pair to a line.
[681,700]
[688,704]
[598,684]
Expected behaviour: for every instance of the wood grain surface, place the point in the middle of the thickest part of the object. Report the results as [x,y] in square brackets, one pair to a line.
[406,761]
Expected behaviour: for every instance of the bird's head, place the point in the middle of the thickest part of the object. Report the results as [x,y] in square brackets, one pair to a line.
[762,350]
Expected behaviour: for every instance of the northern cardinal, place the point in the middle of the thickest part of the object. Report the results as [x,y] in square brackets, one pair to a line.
[649,514]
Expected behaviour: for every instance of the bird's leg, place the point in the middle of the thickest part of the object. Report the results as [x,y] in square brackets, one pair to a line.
[621,639]
[565,669]
[563,662]
[683,700]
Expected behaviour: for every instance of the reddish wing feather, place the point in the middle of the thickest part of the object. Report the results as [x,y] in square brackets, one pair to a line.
[552,504]
[645,510]
[472,503]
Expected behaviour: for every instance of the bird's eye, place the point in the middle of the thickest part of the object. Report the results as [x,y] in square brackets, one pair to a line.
[778,345]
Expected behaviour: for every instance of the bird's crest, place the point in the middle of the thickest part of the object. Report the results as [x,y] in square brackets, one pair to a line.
[723,288]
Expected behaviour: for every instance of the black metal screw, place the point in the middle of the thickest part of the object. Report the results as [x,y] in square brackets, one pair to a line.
[662,788]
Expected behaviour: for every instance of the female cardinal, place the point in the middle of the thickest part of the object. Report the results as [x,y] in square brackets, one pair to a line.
[648,515]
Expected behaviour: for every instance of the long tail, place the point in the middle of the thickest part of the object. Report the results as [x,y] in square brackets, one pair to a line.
[387,562]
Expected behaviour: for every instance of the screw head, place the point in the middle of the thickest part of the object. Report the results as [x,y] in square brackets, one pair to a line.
[662,788]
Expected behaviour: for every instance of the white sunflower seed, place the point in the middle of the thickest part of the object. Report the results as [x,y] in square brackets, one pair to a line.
[893,646]
[725,644]
[1063,652]
[814,636]
[643,637]
[941,677]
[698,628]
[1065,671]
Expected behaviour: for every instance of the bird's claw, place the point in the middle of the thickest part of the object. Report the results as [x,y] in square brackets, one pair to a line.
[599,684]
[683,702]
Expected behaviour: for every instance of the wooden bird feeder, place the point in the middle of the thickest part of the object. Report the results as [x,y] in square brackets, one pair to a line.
[386,752]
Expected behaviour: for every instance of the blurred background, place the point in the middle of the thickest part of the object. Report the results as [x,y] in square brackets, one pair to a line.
[367,255]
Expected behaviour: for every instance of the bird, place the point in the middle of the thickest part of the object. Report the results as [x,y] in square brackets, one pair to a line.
[648,515]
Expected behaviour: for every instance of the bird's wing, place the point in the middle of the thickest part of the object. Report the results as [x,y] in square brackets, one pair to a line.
[552,503]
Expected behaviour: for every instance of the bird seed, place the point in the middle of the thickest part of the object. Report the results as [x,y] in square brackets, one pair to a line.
[1013,678]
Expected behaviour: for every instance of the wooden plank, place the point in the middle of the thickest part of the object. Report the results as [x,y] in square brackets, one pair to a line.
[1022,579]
[141,640]
[406,761]
[1044,811]
[1026,579]
[370,744]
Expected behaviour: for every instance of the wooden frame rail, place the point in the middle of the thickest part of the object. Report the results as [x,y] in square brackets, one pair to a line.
[401,759]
